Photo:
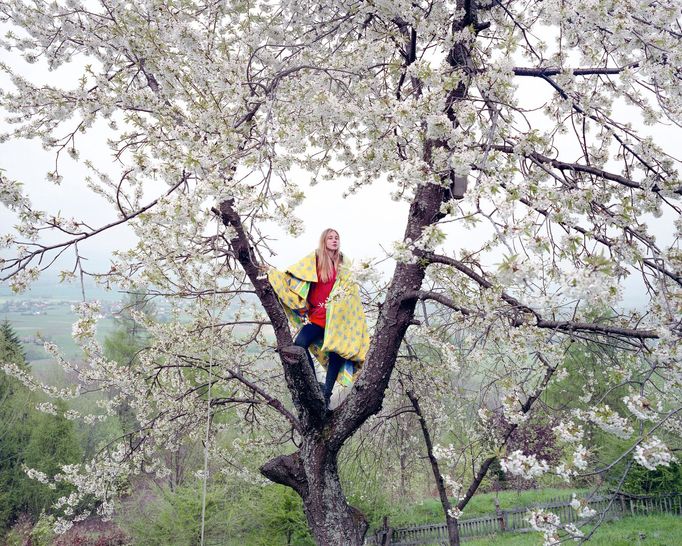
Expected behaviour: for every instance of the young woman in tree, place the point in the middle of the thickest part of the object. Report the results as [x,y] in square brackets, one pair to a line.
[321,298]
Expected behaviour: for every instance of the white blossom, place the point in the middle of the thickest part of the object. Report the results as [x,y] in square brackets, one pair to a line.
[580,457]
[582,507]
[547,523]
[11,193]
[642,407]
[575,533]
[403,252]
[512,410]
[23,279]
[609,421]
[455,513]
[445,453]
[527,467]
[565,472]
[652,452]
[38,476]
[569,431]
[47,407]
[454,487]
[62,525]
[365,272]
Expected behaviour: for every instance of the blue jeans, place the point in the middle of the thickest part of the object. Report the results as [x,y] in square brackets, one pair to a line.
[310,333]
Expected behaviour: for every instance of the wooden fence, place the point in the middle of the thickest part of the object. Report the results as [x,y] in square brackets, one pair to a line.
[612,506]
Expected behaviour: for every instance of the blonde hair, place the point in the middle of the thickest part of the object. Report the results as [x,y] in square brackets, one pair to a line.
[327,262]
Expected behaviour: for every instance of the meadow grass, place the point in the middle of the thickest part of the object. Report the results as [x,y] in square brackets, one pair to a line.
[430,510]
[658,530]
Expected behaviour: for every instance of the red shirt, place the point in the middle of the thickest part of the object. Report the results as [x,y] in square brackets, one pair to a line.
[317,297]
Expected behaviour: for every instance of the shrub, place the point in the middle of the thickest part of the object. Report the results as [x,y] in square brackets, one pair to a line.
[642,481]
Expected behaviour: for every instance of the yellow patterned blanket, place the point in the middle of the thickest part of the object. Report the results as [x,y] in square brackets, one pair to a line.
[346,329]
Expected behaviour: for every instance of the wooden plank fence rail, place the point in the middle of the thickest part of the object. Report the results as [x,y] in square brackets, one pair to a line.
[514,519]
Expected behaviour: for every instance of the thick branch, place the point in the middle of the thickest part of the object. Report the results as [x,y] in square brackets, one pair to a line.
[303,385]
[300,378]
[395,316]
[287,470]
[569,326]
[553,71]
[438,477]
[563,326]
[242,250]
[440,298]
[429,450]
[577,167]
[654,264]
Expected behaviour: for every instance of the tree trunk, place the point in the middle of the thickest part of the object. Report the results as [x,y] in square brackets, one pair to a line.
[330,517]
[453,525]
[313,473]
[403,475]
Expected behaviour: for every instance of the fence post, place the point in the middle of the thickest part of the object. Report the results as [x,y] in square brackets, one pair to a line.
[385,534]
[500,515]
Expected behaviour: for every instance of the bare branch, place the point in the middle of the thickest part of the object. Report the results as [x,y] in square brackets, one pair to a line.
[18,264]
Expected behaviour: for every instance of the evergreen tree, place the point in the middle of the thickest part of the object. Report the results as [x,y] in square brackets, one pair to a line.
[10,346]
[28,438]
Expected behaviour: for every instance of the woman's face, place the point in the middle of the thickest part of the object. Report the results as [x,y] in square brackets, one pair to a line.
[332,241]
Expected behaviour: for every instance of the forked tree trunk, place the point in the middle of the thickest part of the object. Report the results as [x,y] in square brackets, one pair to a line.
[313,471]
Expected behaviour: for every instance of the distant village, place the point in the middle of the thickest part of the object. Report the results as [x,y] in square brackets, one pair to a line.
[41,307]
[27,307]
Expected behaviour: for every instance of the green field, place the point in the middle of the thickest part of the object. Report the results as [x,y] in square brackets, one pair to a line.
[431,511]
[663,530]
[54,325]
